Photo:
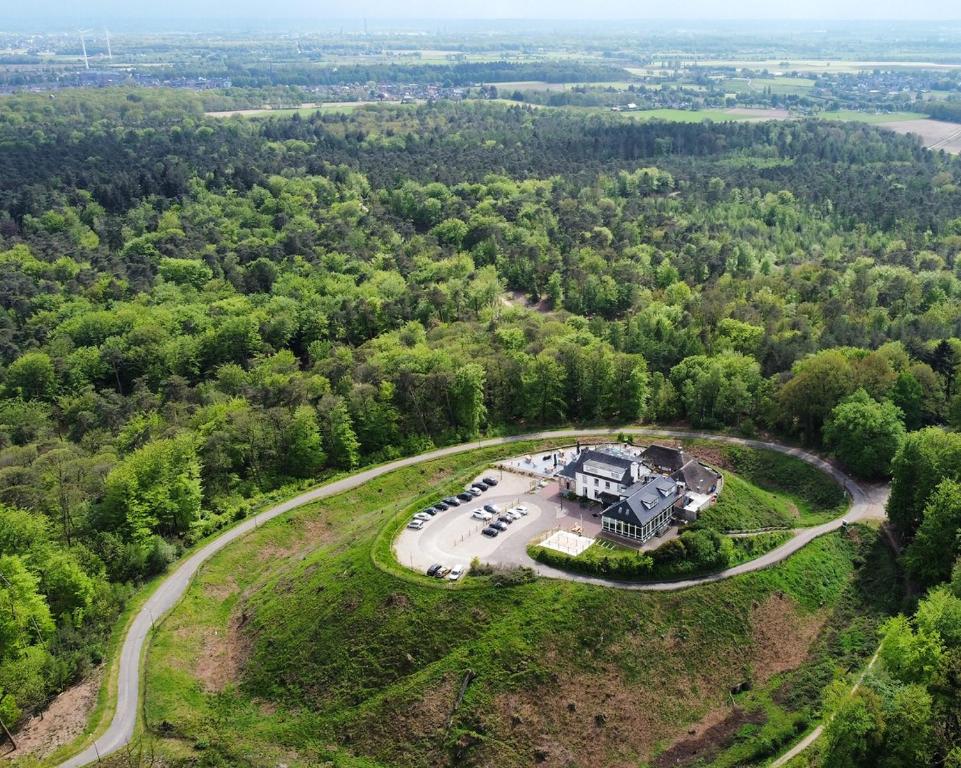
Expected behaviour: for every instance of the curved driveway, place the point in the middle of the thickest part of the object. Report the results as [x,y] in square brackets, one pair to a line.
[121,728]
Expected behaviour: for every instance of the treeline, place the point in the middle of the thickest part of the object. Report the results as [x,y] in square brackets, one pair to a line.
[944,110]
[196,312]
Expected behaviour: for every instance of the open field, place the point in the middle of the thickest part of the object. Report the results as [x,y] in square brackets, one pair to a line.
[934,134]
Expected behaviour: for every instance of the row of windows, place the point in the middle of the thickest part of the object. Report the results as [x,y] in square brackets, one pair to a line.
[632,531]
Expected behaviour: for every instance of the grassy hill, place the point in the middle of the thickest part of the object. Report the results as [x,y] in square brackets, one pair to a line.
[340,661]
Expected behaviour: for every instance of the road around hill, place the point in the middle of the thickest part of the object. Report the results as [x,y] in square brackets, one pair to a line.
[865,503]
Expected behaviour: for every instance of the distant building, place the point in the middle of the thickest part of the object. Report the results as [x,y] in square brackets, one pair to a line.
[646,509]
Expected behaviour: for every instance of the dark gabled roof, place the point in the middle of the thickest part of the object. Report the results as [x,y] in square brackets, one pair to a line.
[601,457]
[645,501]
[697,477]
[664,457]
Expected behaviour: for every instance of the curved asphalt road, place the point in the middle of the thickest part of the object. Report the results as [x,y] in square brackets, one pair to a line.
[121,728]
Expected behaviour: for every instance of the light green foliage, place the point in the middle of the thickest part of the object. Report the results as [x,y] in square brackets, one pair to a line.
[865,434]
[935,546]
[719,390]
[31,377]
[924,459]
[156,489]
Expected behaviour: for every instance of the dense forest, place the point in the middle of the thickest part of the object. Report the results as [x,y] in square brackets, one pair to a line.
[196,312]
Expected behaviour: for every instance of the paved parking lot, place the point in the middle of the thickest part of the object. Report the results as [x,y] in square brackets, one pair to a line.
[454,537]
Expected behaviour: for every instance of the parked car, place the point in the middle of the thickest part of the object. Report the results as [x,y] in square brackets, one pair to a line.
[521,508]
[450,501]
[442,506]
[429,511]
[434,569]
[499,525]
[474,492]
[491,531]
[513,515]
[422,516]
[490,481]
[506,519]
[441,572]
[482,485]
[455,573]
[415,524]
[464,497]
[492,508]
[480,514]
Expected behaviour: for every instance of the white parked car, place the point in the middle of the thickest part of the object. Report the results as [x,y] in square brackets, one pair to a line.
[521,509]
[513,514]
[415,524]
[480,514]
[455,573]
[422,516]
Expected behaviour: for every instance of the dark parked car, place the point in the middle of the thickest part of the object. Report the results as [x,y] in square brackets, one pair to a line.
[490,481]
[451,502]
[491,531]
[441,506]
[429,511]
[505,519]
[464,496]
[482,485]
[491,508]
[432,571]
[499,525]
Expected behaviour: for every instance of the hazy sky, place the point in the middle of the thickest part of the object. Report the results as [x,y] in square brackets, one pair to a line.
[483,9]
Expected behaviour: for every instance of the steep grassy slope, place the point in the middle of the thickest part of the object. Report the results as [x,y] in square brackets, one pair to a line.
[340,661]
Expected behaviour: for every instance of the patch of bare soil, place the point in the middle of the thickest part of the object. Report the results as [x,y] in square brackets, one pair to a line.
[781,636]
[223,654]
[713,734]
[62,722]
[589,719]
[712,455]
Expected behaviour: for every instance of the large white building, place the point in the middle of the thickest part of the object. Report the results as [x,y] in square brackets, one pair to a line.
[599,475]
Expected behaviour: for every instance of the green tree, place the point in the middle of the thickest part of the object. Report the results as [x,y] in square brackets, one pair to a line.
[865,434]
[303,453]
[467,398]
[908,395]
[32,377]
[925,458]
[854,734]
[156,489]
[340,440]
[817,384]
[934,549]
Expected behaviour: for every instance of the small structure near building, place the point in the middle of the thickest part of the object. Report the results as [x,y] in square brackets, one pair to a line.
[702,486]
